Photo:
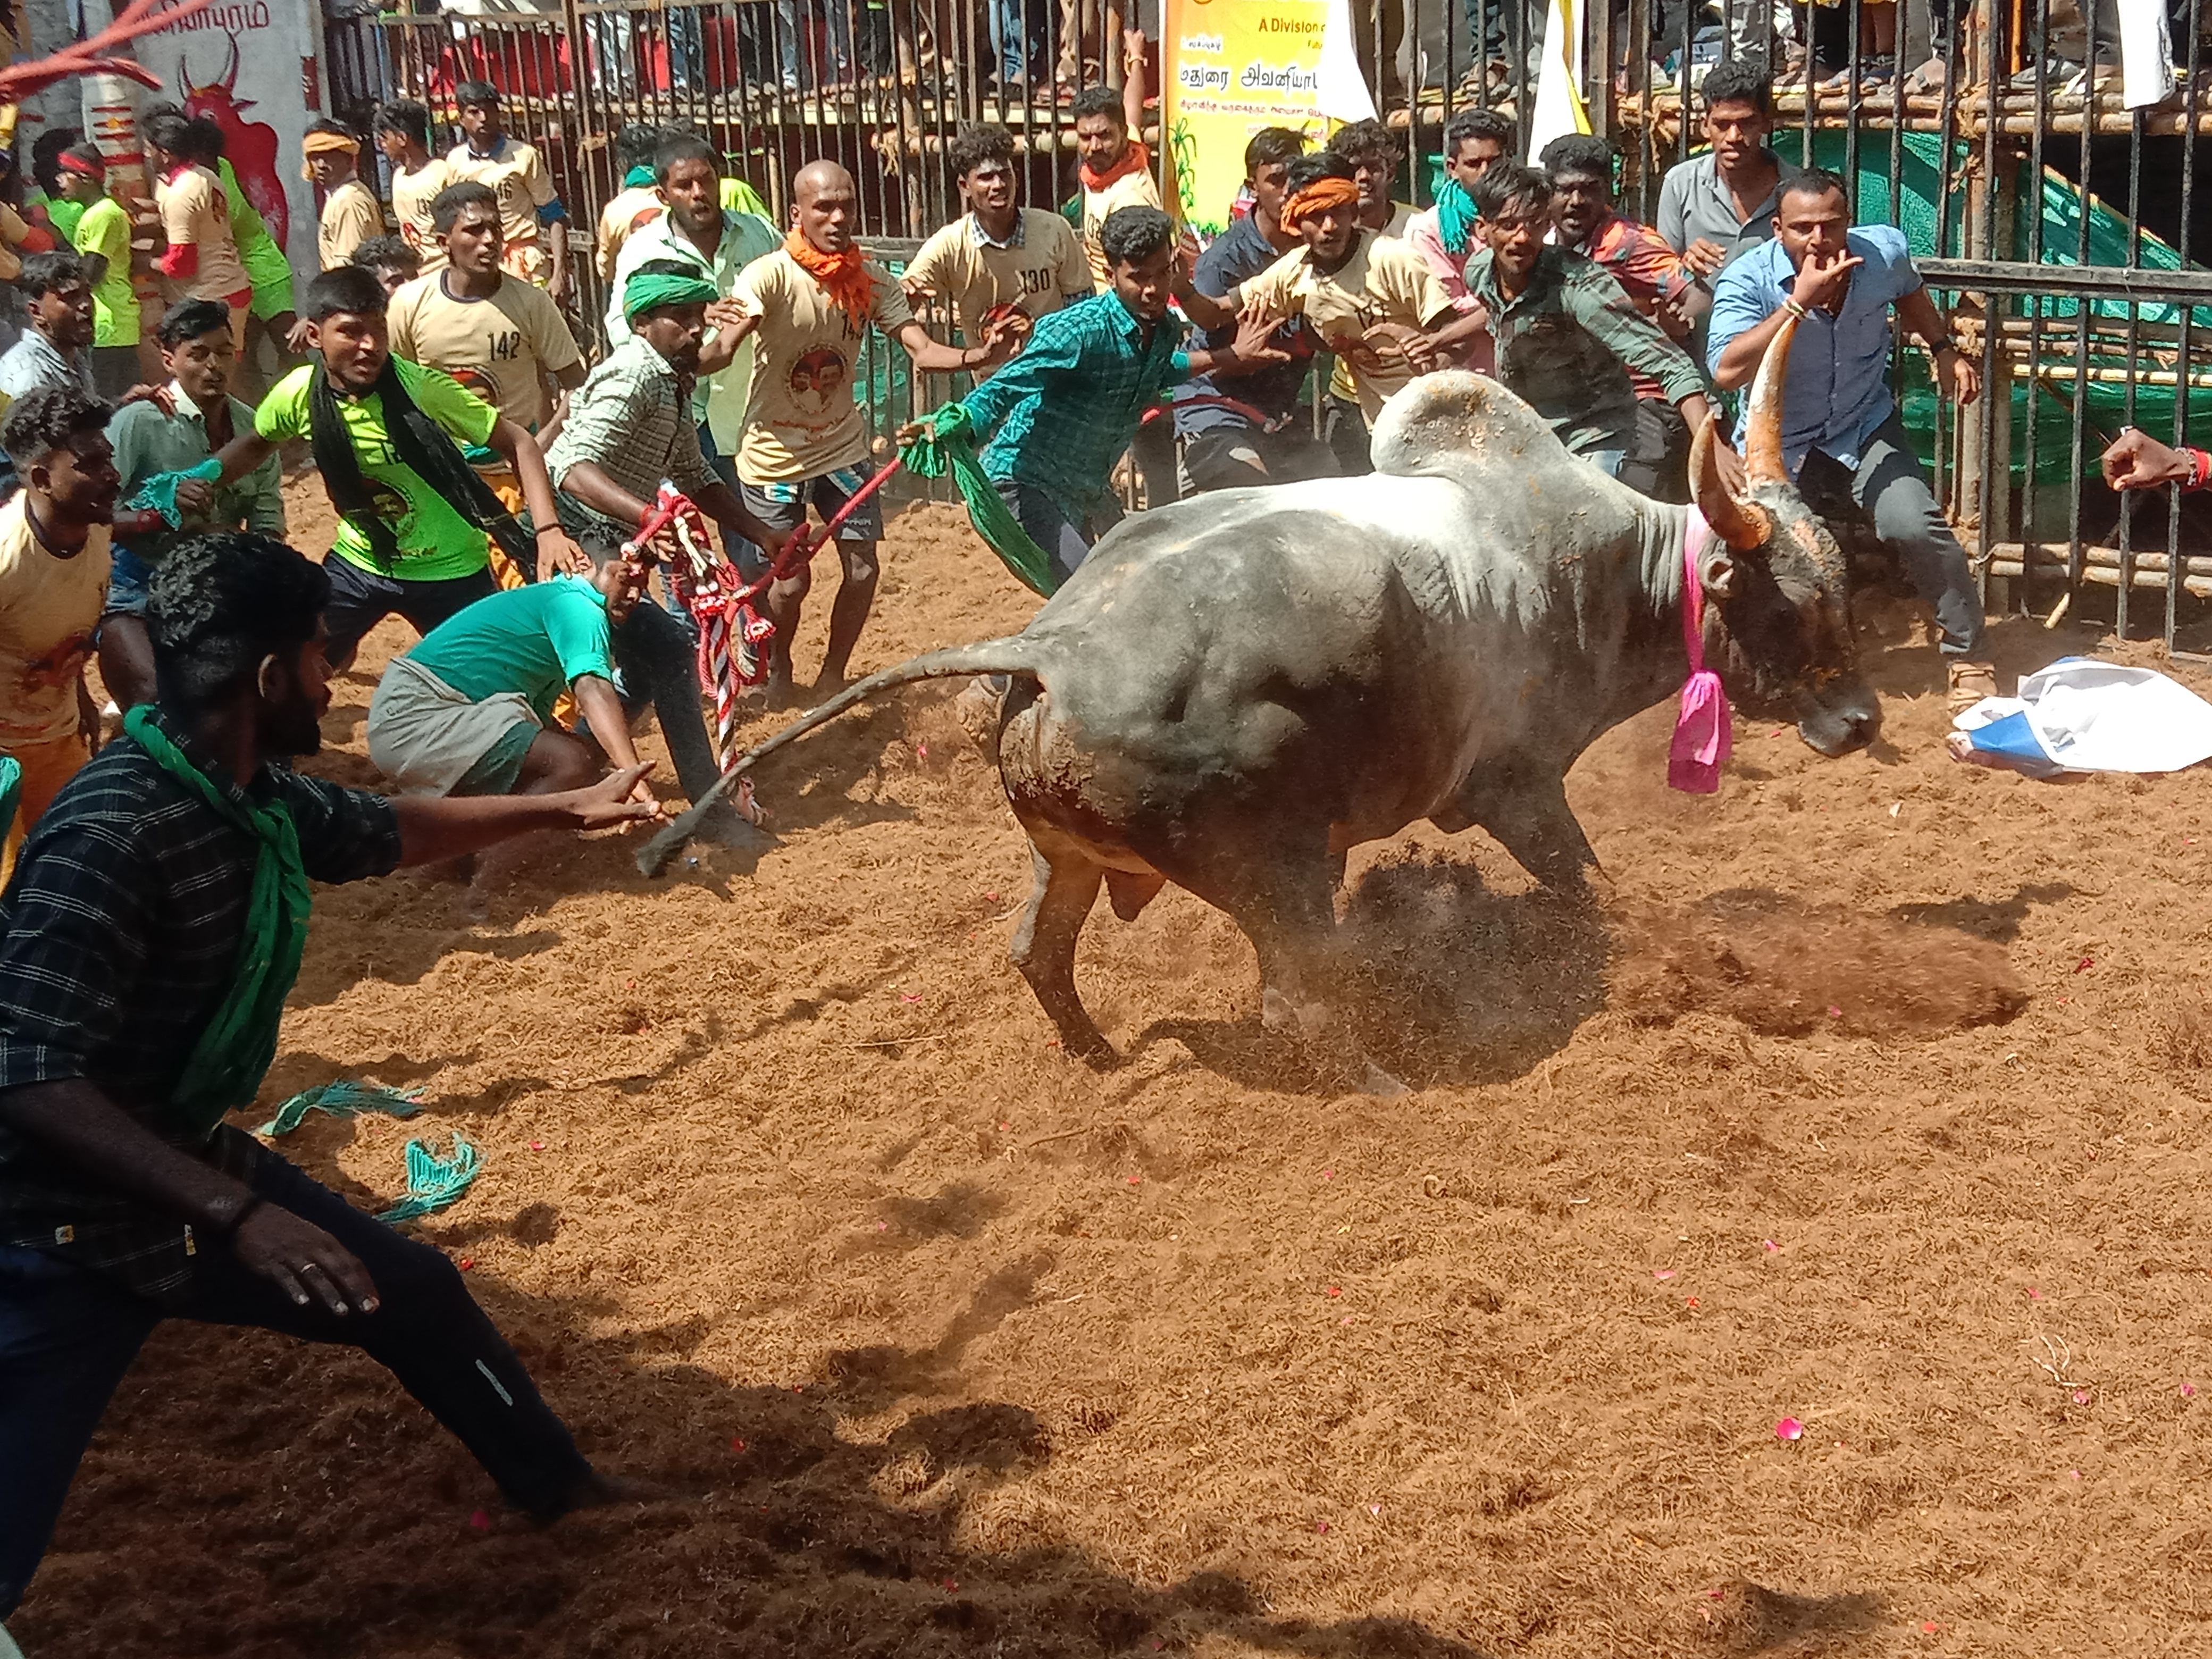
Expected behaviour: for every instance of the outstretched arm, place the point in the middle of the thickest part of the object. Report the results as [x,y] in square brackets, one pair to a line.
[555,551]
[436,827]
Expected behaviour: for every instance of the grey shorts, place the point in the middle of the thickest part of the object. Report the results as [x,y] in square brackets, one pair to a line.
[782,507]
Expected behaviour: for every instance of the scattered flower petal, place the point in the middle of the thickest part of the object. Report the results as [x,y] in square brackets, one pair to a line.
[2080,1396]
[1320,1526]
[1346,1320]
[952,1583]
[2085,961]
[916,997]
[1835,1012]
[1770,1245]
[2034,1295]
[537,1145]
[2189,1391]
[735,1444]
[465,1263]
[1690,1301]
[1788,1429]
[1662,1272]
[1375,1508]
[481,1520]
[922,751]
[1135,1181]
[1336,1290]
[1929,1626]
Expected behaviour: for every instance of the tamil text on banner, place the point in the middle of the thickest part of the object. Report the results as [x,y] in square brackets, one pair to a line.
[1235,66]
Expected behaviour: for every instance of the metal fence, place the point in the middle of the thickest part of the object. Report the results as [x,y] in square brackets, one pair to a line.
[2064,227]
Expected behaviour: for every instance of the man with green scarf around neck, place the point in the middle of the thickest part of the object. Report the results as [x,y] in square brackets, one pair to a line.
[1446,236]
[147,945]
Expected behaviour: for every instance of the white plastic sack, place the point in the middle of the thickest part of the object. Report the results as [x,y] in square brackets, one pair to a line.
[2082,715]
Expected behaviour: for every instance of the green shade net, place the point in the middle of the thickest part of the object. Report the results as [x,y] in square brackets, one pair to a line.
[950,447]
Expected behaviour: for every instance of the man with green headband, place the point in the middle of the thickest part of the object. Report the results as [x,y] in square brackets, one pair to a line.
[153,928]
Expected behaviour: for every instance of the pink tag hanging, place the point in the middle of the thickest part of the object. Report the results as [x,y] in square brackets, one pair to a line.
[1703,731]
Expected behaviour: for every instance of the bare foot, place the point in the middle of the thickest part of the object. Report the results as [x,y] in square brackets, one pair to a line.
[781,693]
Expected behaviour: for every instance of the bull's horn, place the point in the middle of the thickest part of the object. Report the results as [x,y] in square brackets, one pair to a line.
[1742,525]
[1762,438]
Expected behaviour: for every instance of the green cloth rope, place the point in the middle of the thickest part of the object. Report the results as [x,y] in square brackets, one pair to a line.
[637,178]
[648,288]
[1457,214]
[948,444]
[342,1099]
[160,491]
[234,1052]
[433,1183]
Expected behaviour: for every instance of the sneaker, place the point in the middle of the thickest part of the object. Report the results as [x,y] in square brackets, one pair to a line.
[1971,682]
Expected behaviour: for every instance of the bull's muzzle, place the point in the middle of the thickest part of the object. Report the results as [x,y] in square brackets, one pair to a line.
[1836,725]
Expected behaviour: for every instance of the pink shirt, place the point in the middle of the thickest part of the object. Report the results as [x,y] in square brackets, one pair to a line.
[1426,240]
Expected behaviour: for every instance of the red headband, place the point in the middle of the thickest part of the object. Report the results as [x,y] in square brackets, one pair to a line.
[67,163]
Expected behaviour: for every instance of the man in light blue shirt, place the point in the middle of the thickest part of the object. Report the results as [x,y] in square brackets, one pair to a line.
[1841,283]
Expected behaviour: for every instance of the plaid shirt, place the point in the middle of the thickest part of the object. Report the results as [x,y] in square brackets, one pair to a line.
[1647,269]
[1568,342]
[1066,407]
[117,937]
[633,420]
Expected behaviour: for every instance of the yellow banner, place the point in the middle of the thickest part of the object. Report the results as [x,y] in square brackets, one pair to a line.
[1233,67]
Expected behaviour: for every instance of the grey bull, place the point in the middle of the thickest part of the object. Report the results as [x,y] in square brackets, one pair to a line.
[1233,690]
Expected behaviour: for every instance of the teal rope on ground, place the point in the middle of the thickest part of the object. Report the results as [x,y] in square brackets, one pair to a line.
[342,1099]
[433,1183]
[950,446]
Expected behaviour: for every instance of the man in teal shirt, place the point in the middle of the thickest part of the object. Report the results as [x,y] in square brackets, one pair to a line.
[469,711]
[179,427]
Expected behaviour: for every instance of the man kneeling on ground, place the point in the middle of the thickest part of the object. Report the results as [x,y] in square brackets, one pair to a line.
[469,711]
[152,933]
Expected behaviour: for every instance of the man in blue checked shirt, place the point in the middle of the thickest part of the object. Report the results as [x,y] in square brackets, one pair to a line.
[1839,283]
[1064,410]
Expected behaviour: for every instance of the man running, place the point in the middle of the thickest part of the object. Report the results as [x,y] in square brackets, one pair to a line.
[402,133]
[501,337]
[999,258]
[1568,338]
[200,261]
[808,306]
[147,945]
[536,221]
[351,214]
[1060,414]
[1258,431]
[1373,301]
[53,585]
[183,426]
[413,515]
[104,233]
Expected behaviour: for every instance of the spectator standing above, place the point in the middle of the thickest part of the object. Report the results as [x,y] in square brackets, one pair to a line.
[1839,285]
[146,952]
[1114,165]
[413,515]
[393,262]
[1651,274]
[1568,338]
[535,221]
[998,258]
[200,261]
[1257,431]
[1716,206]
[402,133]
[1062,412]
[719,242]
[351,214]
[639,200]
[1445,235]
[184,425]
[1371,298]
[56,349]
[54,586]
[498,336]
[808,306]
[104,234]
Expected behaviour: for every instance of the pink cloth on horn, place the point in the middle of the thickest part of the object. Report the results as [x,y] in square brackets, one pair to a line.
[1703,731]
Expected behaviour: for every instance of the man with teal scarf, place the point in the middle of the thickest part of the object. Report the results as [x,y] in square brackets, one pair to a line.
[147,945]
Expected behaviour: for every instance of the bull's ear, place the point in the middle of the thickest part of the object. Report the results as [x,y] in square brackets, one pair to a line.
[1744,525]
[1716,572]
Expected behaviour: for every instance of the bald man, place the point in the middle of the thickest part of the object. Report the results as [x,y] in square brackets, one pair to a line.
[806,306]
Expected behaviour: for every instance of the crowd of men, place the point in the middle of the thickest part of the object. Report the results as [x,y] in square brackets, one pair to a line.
[492,483]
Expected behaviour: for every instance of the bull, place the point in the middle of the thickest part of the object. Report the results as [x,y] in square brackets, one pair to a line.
[1233,690]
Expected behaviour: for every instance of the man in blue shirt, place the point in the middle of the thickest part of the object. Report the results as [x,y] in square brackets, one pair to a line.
[1253,434]
[1840,284]
[1066,407]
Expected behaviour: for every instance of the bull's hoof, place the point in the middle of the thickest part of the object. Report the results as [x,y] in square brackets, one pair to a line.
[1092,1049]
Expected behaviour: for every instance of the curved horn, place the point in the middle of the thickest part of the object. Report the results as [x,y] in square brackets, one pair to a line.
[1762,445]
[1743,525]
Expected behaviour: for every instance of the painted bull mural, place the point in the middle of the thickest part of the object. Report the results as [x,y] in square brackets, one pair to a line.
[1233,690]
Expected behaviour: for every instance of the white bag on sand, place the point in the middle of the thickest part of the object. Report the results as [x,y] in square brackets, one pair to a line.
[2082,715]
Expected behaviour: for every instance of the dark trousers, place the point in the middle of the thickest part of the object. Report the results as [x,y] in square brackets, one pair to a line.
[361,598]
[1239,457]
[1658,463]
[67,1336]
[1345,428]
[1067,542]
[658,661]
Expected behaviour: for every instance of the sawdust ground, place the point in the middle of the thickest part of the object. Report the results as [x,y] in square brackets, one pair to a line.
[1874,1099]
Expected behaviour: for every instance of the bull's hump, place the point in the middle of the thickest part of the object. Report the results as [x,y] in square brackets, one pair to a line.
[1468,428]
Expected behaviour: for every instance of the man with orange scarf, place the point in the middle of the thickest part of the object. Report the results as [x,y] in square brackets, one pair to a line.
[1116,167]
[1371,298]
[807,307]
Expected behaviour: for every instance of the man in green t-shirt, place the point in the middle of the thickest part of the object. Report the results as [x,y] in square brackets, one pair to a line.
[388,436]
[469,711]
[104,230]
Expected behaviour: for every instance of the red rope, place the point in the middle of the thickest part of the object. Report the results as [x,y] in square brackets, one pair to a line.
[805,545]
[19,81]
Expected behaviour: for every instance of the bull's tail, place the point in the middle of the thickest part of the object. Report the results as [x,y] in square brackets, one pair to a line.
[1010,655]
